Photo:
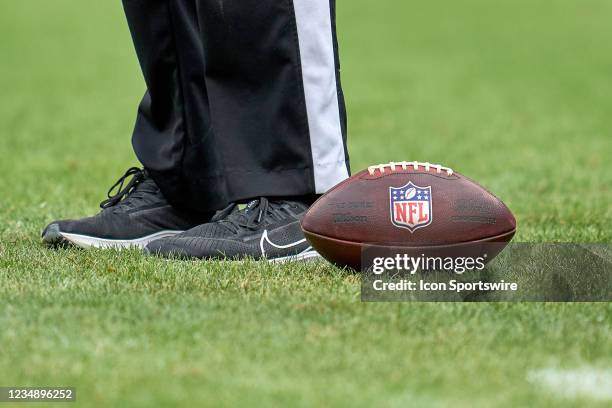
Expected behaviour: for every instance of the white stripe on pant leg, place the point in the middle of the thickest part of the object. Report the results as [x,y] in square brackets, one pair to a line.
[313,18]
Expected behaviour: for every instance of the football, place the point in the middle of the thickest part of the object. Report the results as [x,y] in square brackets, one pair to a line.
[424,207]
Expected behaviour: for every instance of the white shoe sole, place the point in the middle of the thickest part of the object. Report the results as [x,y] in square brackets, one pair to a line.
[303,256]
[54,235]
[310,255]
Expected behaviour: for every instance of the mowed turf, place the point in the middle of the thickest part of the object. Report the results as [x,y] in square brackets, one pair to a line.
[514,94]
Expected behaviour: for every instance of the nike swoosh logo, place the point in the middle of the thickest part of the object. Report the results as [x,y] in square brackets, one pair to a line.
[265,239]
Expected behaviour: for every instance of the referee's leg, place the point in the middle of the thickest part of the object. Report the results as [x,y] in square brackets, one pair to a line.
[173,136]
[276,106]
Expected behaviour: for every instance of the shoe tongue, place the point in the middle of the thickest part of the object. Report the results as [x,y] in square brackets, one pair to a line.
[251,205]
[147,185]
[146,189]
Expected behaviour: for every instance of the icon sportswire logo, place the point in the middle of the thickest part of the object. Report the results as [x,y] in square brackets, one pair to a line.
[271,245]
[410,206]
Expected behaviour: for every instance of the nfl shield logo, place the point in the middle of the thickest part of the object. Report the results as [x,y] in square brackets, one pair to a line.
[410,206]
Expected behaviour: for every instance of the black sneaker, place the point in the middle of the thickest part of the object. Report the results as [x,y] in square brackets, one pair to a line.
[135,215]
[264,229]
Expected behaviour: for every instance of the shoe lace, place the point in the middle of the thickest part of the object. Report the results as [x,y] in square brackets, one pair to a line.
[252,216]
[122,189]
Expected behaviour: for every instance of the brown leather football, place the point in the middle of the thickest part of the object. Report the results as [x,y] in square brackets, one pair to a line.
[417,205]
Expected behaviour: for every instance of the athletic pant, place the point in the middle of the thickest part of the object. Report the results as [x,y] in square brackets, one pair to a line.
[243,98]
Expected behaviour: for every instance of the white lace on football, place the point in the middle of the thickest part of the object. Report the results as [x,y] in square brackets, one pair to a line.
[405,165]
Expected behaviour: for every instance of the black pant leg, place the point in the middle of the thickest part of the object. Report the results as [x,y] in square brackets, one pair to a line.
[173,135]
[276,106]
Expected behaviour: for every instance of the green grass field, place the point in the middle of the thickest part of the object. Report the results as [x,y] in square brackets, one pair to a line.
[515,94]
